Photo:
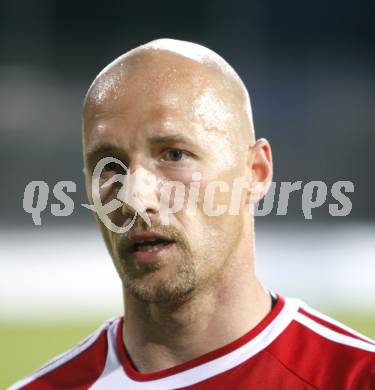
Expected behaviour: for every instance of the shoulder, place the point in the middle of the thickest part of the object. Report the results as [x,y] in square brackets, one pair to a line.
[324,352]
[77,368]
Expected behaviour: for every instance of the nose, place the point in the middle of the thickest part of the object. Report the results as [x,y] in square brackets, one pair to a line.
[140,193]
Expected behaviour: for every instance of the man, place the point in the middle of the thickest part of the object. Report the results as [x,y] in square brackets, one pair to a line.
[196,315]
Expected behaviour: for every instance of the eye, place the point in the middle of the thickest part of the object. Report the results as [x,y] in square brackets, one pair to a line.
[114,167]
[174,155]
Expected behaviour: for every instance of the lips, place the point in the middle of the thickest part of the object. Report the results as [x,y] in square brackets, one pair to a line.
[150,245]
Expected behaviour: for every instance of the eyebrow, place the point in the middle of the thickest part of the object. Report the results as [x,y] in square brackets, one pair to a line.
[101,149]
[168,139]
[155,140]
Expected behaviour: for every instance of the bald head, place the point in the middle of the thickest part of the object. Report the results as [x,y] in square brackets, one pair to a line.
[171,72]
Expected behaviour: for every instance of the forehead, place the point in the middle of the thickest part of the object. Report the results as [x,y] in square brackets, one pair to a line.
[148,72]
[155,123]
[157,96]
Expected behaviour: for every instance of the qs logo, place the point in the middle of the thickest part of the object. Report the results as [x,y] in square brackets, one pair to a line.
[126,195]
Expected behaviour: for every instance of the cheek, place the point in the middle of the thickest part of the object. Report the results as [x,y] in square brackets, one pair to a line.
[207,202]
[215,205]
[216,195]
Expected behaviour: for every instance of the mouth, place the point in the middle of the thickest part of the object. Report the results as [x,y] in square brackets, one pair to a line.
[150,247]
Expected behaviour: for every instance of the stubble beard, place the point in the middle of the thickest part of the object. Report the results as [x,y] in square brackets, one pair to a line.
[154,287]
[170,280]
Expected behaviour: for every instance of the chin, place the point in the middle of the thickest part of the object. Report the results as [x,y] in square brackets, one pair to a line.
[160,287]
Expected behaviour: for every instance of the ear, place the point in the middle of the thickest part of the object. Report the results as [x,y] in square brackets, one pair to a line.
[261,169]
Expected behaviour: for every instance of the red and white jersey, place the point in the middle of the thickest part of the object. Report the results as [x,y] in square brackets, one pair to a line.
[294,347]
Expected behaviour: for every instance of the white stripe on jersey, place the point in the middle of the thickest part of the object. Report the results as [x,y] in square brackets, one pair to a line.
[330,320]
[115,378]
[333,335]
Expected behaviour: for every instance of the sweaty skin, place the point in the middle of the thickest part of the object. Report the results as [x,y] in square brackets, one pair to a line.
[168,109]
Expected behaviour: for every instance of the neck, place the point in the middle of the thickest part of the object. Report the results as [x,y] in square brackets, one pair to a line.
[160,336]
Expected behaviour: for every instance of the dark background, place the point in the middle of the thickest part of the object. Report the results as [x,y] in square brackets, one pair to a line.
[309,68]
